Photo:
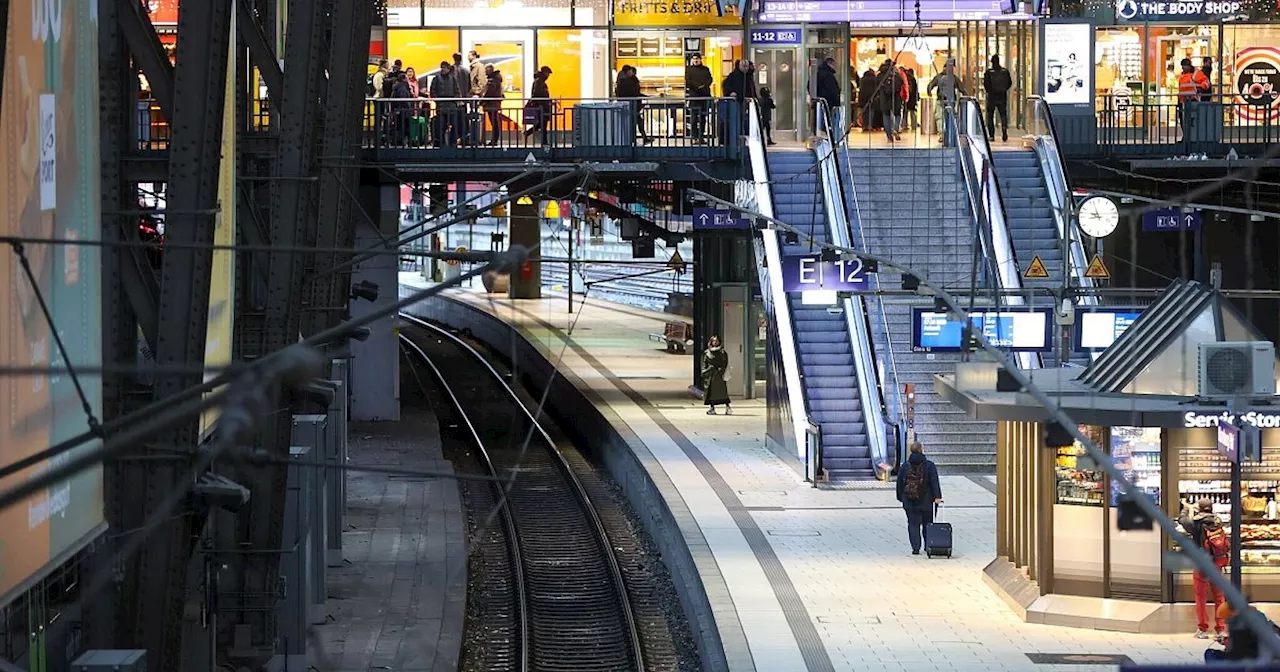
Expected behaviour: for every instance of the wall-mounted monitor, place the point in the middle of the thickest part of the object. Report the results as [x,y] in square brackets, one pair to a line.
[1014,330]
[1098,328]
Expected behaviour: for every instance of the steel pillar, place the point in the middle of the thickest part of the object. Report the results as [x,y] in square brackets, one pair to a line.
[339,180]
[526,229]
[117,108]
[375,362]
[289,221]
[199,96]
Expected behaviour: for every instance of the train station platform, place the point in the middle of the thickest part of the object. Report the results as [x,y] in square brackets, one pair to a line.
[796,578]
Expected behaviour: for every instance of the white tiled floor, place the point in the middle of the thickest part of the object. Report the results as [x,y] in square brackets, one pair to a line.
[875,606]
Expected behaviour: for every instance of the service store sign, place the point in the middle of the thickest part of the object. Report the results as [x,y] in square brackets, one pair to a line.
[1171,10]
[1252,418]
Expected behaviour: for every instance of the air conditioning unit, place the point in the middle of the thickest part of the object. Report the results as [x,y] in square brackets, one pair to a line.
[1237,369]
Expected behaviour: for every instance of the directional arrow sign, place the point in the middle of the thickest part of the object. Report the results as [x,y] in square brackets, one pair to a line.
[1170,219]
[710,219]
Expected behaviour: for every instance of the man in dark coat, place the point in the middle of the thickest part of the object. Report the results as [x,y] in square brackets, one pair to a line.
[628,88]
[828,89]
[997,83]
[697,84]
[919,491]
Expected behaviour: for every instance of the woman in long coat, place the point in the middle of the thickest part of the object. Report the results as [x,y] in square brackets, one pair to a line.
[715,365]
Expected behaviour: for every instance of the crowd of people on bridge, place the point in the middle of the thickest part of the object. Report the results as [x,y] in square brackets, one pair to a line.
[462,103]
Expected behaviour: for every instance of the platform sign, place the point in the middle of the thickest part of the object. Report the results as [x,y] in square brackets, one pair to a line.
[711,219]
[809,272]
[1229,442]
[1097,329]
[775,36]
[1017,331]
[1170,219]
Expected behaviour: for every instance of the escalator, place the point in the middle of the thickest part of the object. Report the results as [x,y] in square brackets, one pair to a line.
[822,336]
[1030,219]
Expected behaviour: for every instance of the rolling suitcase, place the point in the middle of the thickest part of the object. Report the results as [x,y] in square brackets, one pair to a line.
[937,536]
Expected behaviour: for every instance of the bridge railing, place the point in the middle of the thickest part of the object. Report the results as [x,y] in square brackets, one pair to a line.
[1162,125]
[569,127]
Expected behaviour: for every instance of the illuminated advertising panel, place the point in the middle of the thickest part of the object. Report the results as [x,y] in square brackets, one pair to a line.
[862,12]
[49,188]
[1067,61]
[1097,329]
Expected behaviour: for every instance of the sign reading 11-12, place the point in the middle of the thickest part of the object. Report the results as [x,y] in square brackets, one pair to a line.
[775,36]
[808,272]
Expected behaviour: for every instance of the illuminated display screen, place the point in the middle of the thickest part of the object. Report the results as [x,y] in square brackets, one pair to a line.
[1022,331]
[1098,329]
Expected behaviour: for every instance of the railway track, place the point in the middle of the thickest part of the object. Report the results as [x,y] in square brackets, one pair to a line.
[567,606]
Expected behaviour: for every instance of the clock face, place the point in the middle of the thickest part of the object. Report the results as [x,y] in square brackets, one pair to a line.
[1099,216]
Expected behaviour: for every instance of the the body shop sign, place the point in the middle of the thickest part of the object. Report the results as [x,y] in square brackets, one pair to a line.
[1259,419]
[1173,10]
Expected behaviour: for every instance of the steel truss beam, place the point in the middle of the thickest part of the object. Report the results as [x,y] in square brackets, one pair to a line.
[264,57]
[117,110]
[291,221]
[199,96]
[344,102]
[148,53]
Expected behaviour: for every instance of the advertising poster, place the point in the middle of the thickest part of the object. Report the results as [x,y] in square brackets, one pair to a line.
[1258,84]
[49,189]
[218,332]
[1068,67]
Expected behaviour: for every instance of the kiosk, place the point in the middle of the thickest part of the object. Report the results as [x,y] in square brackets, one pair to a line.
[1061,558]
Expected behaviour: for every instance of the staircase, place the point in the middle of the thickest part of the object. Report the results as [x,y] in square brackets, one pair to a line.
[1029,217]
[913,209]
[821,333]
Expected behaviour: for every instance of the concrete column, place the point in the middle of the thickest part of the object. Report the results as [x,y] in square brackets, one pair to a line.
[375,362]
[526,229]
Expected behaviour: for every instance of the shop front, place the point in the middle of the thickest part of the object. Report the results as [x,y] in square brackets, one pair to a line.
[1057,530]
[1139,48]
[863,35]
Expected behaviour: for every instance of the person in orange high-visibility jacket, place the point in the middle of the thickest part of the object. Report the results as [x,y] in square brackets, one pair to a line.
[1191,84]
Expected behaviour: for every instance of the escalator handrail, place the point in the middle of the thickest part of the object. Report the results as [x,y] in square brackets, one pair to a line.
[771,285]
[971,140]
[850,196]
[1058,182]
[870,395]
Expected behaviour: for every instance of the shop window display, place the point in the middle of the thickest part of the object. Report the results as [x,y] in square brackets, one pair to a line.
[660,56]
[1205,474]
[1136,452]
[1080,478]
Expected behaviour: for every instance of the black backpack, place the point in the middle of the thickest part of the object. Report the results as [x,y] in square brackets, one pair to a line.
[369,91]
[914,488]
[388,85]
[1001,81]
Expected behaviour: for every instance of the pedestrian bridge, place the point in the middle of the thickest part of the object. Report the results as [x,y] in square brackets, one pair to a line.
[663,131]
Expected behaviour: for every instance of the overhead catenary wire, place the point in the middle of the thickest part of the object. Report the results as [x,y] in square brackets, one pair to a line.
[143,422]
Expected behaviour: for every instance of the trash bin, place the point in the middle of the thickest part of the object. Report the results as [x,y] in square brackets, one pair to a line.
[603,125]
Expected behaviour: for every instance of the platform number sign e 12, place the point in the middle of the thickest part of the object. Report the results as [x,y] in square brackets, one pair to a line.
[810,272]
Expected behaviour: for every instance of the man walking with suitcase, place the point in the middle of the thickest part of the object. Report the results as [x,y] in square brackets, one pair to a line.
[919,491]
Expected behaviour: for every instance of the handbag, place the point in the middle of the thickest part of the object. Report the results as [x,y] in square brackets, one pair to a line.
[532,114]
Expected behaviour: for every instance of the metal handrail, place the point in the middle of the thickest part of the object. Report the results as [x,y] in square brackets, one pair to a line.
[980,179]
[851,197]
[1059,184]
[771,282]
[854,309]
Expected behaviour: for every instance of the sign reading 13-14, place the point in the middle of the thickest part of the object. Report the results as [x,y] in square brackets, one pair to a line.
[808,272]
[1175,10]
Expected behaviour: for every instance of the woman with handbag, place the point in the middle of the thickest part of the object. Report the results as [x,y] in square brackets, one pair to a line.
[715,371]
[537,112]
